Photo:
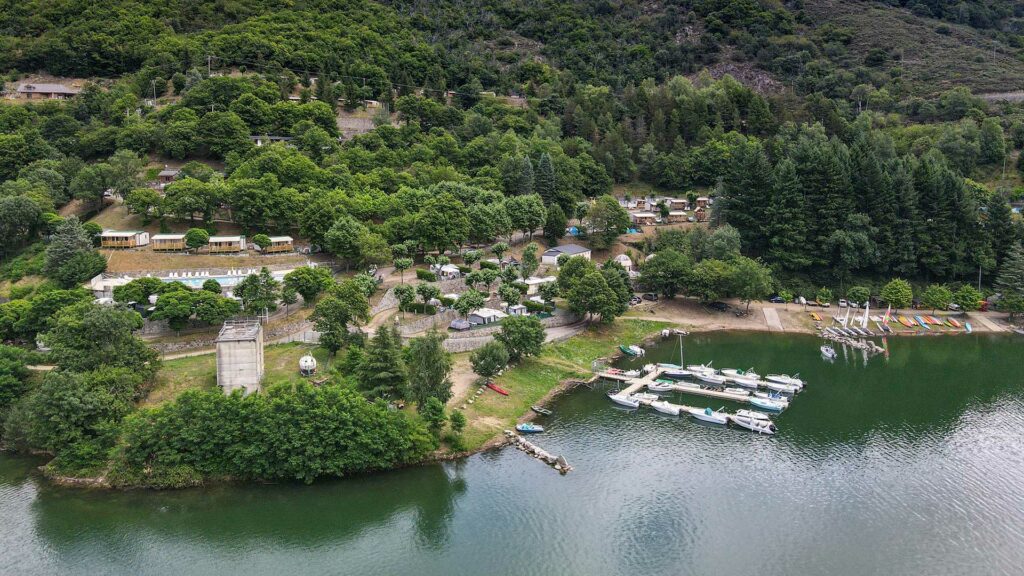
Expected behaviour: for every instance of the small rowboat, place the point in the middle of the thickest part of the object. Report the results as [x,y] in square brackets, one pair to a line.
[540,410]
[529,428]
[497,388]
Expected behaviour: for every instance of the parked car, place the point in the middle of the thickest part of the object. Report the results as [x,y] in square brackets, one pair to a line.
[777,299]
[650,296]
[825,304]
[954,306]
[635,300]
[720,306]
[842,303]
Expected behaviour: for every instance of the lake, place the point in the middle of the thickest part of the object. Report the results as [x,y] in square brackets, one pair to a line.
[908,465]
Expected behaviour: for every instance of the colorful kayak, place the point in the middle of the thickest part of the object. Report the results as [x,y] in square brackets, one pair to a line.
[497,388]
[952,322]
[906,321]
[934,321]
[922,322]
[968,327]
[815,317]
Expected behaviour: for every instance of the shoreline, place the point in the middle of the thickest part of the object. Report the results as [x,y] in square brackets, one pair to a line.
[498,440]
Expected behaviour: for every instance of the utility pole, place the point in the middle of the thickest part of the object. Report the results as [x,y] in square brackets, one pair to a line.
[209,60]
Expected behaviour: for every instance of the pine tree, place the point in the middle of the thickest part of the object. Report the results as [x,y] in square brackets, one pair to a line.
[746,191]
[999,224]
[68,241]
[544,180]
[904,259]
[1011,281]
[382,372]
[873,192]
[785,219]
[524,184]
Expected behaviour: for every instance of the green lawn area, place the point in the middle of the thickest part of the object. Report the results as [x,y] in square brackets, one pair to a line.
[281,363]
[533,378]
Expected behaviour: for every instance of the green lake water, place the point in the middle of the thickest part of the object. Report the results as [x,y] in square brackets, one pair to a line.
[901,466]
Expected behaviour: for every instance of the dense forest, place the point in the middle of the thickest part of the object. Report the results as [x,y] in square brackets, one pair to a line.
[828,163]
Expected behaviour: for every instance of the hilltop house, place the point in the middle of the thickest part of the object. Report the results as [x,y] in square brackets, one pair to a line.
[46,91]
[550,256]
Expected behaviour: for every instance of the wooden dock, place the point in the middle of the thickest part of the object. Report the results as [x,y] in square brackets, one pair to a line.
[635,384]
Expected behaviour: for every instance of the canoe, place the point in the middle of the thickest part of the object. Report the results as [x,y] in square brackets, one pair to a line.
[529,428]
[922,322]
[968,327]
[540,410]
[953,322]
[497,388]
[905,321]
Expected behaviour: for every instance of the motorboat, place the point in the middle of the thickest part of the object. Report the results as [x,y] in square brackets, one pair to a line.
[711,378]
[786,379]
[646,397]
[540,410]
[661,386]
[700,367]
[630,373]
[784,388]
[632,350]
[691,385]
[753,421]
[746,382]
[734,373]
[768,404]
[828,352]
[709,415]
[624,400]
[529,428]
[737,391]
[772,396]
[665,407]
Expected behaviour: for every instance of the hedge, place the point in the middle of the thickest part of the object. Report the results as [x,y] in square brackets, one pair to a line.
[426,275]
[421,308]
[445,301]
[532,306]
[491,265]
[465,269]
[522,287]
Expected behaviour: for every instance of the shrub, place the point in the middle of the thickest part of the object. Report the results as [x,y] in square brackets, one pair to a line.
[426,275]
[485,264]
[446,301]
[421,308]
[465,269]
[522,287]
[534,307]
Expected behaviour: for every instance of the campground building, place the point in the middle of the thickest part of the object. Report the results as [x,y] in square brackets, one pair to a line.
[550,256]
[123,239]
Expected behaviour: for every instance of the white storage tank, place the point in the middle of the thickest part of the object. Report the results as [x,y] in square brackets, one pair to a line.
[307,365]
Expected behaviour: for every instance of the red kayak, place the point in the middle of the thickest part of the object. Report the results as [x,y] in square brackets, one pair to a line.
[497,388]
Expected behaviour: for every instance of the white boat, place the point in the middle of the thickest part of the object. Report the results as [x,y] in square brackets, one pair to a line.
[623,400]
[630,373]
[665,407]
[709,415]
[636,350]
[734,373]
[700,367]
[753,421]
[745,381]
[785,379]
[645,397]
[828,352]
[693,385]
[773,396]
[768,404]
[711,378]
[660,387]
[668,365]
[737,391]
[784,388]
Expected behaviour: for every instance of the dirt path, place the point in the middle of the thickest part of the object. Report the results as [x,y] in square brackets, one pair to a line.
[988,324]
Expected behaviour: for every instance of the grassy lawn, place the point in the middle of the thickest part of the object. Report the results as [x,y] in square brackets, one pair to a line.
[281,363]
[533,378]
